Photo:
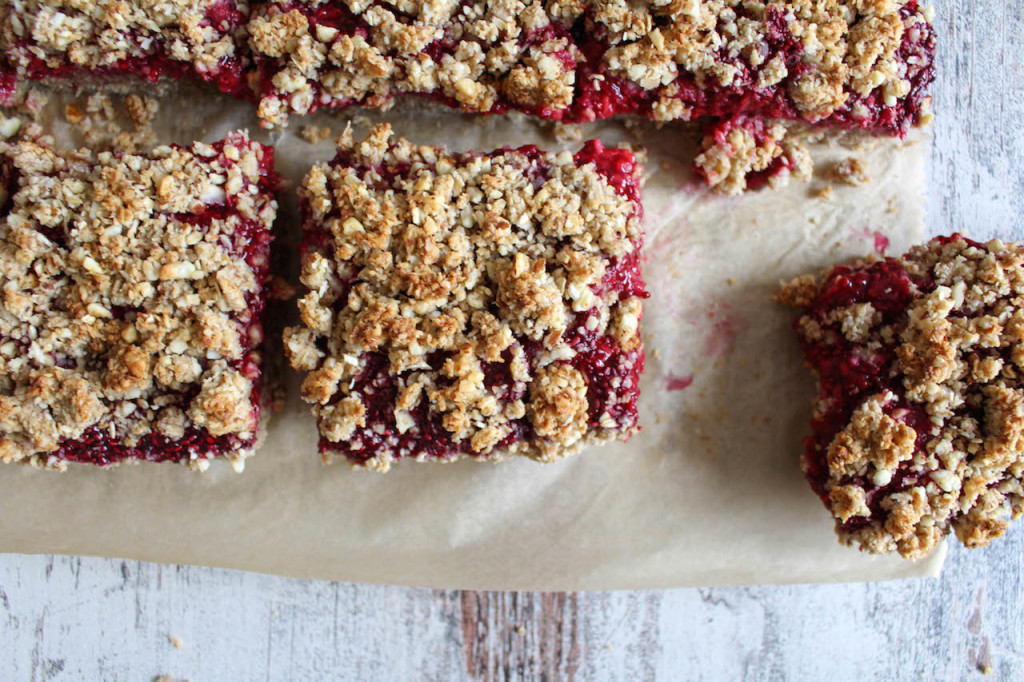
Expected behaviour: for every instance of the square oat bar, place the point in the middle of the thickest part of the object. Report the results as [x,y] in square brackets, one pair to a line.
[483,56]
[133,291]
[469,305]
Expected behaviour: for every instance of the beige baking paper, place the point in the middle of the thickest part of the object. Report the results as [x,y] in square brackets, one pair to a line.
[710,493]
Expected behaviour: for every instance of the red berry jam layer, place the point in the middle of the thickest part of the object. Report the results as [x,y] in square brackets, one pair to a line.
[469,305]
[133,297]
[918,426]
[204,39]
[836,62]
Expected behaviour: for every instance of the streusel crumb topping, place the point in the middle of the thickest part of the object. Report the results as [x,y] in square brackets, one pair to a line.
[456,302]
[919,427]
[132,294]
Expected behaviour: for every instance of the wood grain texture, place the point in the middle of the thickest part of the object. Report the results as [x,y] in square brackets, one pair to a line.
[67,618]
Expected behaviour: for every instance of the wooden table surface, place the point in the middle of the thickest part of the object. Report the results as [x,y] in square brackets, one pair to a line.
[65,618]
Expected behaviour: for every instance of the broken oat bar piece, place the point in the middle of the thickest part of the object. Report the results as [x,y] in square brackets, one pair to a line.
[469,305]
[744,153]
[132,292]
[204,39]
[919,425]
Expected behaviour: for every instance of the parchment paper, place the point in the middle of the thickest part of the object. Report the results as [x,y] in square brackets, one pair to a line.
[710,493]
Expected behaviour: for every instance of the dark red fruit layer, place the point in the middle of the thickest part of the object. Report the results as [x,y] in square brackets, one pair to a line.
[617,165]
[97,446]
[8,83]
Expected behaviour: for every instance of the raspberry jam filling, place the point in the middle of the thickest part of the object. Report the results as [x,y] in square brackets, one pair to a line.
[248,239]
[848,372]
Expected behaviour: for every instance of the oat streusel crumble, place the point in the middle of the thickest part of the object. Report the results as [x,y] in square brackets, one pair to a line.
[463,304]
[132,302]
[853,63]
[106,39]
[919,423]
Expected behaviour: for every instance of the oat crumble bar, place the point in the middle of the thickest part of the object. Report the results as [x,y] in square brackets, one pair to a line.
[131,302]
[852,63]
[919,425]
[109,39]
[464,304]
[479,55]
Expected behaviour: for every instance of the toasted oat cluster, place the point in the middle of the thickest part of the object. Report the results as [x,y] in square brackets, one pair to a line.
[919,425]
[132,302]
[851,63]
[469,304]
[744,153]
[106,38]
